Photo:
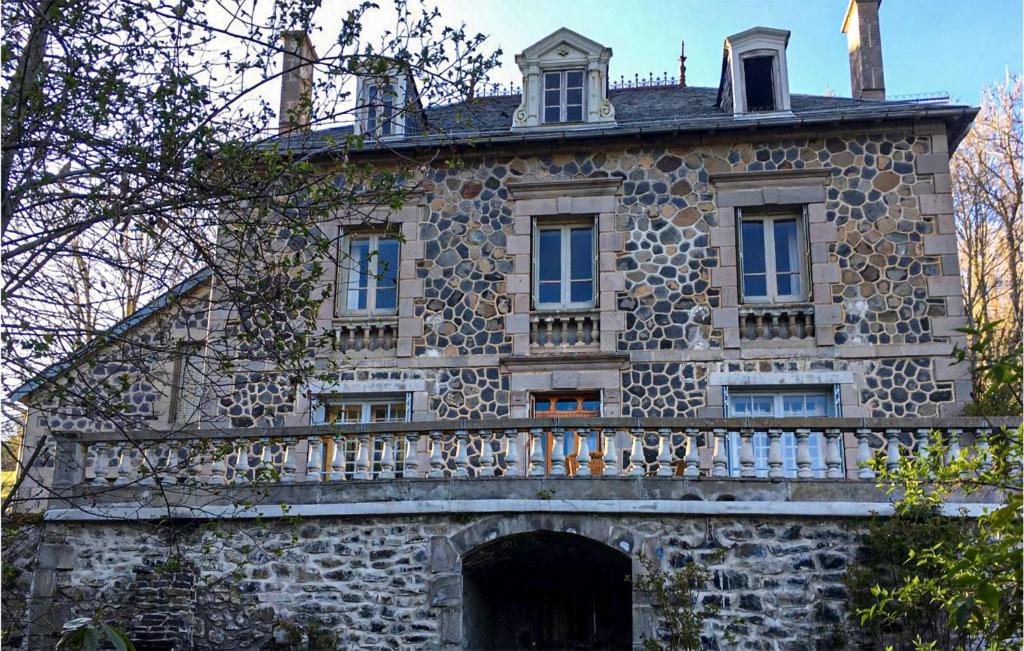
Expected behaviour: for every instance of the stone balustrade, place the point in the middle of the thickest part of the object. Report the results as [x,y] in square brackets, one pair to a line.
[776,322]
[743,449]
[366,334]
[551,330]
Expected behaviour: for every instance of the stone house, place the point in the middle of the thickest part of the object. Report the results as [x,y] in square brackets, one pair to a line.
[724,298]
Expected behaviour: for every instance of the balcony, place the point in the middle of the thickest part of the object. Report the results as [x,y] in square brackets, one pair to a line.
[572,330]
[776,323]
[370,335]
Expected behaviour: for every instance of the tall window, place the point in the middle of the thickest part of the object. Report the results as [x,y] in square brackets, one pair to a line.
[759,83]
[372,284]
[779,404]
[380,109]
[772,258]
[564,265]
[385,409]
[187,384]
[563,96]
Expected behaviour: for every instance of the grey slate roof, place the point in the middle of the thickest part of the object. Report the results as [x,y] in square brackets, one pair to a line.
[488,120]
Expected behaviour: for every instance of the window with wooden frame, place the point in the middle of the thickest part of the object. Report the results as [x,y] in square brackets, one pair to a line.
[380,109]
[564,264]
[187,384]
[773,257]
[571,405]
[369,270]
[779,404]
[563,96]
[339,410]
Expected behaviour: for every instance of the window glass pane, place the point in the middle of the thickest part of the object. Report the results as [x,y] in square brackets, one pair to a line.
[550,292]
[552,80]
[387,263]
[816,405]
[592,405]
[581,291]
[762,406]
[552,114]
[371,112]
[581,249]
[574,96]
[755,286]
[740,405]
[542,405]
[387,298]
[787,257]
[549,261]
[753,247]
[574,78]
[566,404]
[573,114]
[552,98]
[359,277]
[757,73]
[792,405]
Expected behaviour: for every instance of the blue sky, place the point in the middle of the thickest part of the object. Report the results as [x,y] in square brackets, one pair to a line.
[928,45]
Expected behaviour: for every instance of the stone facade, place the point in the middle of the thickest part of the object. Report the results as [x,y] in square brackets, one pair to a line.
[381,583]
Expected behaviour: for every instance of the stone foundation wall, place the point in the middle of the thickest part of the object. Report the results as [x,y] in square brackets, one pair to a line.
[382,583]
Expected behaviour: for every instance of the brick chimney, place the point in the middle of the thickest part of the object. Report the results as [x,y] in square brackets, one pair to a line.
[864,41]
[296,81]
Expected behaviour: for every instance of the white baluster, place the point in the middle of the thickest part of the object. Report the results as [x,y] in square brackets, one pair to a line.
[148,467]
[803,454]
[436,460]
[892,437]
[833,454]
[387,457]
[512,453]
[665,467]
[411,462]
[99,464]
[692,470]
[924,443]
[558,452]
[338,458]
[747,454]
[720,461]
[611,455]
[241,461]
[583,454]
[953,452]
[170,473]
[636,454]
[461,455]
[486,454]
[775,462]
[983,450]
[218,466]
[266,466]
[864,470]
[288,464]
[313,462]
[363,458]
[537,468]
[113,464]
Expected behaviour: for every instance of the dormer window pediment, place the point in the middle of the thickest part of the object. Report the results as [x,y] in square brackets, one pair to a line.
[755,76]
[565,83]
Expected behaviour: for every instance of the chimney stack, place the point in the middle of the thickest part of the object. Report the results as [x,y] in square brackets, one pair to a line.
[682,63]
[296,81]
[864,42]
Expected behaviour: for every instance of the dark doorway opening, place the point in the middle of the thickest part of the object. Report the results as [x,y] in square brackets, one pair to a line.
[546,590]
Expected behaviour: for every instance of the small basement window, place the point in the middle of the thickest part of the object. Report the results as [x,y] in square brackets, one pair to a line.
[759,83]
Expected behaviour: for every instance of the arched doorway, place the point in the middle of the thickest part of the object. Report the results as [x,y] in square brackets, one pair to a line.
[546,590]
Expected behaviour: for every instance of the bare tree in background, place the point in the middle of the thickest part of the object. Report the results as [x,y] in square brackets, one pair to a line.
[988,195]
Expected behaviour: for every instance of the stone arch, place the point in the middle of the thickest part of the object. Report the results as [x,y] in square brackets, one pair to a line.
[445,586]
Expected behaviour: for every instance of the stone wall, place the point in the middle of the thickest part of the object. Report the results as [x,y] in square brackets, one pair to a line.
[380,583]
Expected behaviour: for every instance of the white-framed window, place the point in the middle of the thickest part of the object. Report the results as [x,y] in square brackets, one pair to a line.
[779,404]
[772,257]
[371,273]
[380,109]
[563,96]
[759,82]
[345,411]
[564,264]
[187,384]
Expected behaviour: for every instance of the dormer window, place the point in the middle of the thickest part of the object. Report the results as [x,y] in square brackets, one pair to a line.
[759,83]
[380,109]
[563,96]
[565,83]
[755,79]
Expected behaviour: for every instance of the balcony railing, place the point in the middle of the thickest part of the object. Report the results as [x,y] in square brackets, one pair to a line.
[575,330]
[694,449]
[368,334]
[776,322]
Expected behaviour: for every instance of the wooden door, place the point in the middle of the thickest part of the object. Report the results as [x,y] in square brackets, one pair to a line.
[571,405]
